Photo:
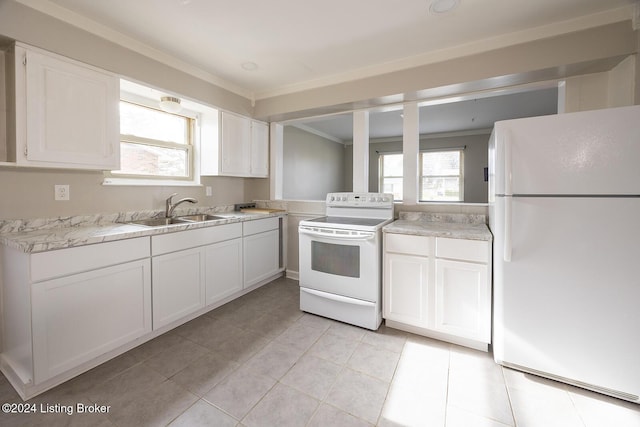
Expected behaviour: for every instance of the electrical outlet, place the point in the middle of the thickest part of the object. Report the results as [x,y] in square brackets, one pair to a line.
[61,192]
[208,191]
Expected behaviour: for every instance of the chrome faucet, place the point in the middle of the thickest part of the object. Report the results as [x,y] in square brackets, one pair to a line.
[170,206]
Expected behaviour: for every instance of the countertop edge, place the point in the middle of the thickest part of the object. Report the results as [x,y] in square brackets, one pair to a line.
[440,229]
[69,237]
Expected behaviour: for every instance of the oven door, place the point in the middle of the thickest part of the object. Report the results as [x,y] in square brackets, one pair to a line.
[342,262]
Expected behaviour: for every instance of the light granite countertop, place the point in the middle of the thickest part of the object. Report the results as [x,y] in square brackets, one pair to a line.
[454,226]
[40,235]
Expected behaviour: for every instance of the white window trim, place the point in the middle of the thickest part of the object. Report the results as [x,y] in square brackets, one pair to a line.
[461,175]
[381,175]
[128,180]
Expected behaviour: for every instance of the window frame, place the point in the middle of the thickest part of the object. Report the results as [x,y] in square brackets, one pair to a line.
[191,148]
[381,175]
[460,176]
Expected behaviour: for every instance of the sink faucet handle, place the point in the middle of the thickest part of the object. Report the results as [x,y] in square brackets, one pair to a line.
[169,205]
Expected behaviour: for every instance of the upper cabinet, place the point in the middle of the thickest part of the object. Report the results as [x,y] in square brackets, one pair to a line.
[66,112]
[235,144]
[240,147]
[259,167]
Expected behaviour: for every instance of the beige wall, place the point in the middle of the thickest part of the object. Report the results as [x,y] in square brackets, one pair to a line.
[28,193]
[24,24]
[312,165]
[594,50]
[614,88]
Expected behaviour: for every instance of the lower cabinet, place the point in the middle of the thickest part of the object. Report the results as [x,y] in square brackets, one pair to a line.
[407,294]
[79,317]
[64,311]
[462,299]
[223,270]
[438,287]
[261,240]
[178,285]
[193,269]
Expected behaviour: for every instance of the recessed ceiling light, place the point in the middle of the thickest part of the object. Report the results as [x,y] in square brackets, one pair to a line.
[443,6]
[249,66]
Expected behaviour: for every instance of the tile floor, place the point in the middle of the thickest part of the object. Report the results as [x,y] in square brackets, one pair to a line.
[259,361]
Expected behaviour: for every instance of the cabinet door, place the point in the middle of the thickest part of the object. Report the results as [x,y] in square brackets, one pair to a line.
[223,264]
[178,285]
[235,141]
[406,281]
[259,150]
[463,299]
[261,256]
[79,317]
[72,114]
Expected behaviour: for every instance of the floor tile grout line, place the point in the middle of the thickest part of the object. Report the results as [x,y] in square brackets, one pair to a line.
[511,407]
[277,381]
[446,398]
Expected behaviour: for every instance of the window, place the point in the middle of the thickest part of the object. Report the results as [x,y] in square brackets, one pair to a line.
[391,175]
[441,176]
[154,144]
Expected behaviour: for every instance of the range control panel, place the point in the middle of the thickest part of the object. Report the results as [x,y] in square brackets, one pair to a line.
[364,200]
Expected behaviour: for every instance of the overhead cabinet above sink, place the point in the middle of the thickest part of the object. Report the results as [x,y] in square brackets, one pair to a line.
[238,146]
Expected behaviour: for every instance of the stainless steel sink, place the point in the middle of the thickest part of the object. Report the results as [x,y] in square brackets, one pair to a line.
[159,222]
[185,219]
[200,218]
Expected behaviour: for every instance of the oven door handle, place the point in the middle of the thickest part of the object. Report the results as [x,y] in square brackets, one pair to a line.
[335,297]
[368,236]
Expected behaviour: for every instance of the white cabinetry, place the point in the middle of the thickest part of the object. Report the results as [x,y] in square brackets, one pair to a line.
[439,287]
[242,148]
[235,144]
[62,113]
[259,167]
[178,285]
[79,317]
[223,263]
[261,241]
[194,268]
[64,309]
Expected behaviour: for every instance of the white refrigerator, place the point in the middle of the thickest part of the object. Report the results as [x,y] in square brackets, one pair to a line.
[564,208]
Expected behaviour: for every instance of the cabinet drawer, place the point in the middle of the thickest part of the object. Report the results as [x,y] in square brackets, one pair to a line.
[63,262]
[173,242]
[260,226]
[406,244]
[467,250]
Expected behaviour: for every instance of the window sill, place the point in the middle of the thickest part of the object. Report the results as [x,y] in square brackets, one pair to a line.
[149,182]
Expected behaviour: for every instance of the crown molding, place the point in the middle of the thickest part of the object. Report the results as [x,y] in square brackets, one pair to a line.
[93,27]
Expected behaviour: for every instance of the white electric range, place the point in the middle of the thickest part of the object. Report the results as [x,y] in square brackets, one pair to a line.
[341,258]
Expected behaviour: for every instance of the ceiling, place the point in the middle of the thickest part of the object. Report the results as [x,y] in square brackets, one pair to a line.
[260,48]
[459,115]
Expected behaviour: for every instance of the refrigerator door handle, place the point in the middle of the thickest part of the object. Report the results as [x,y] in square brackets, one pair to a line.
[506,142]
[507,229]
[508,192]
